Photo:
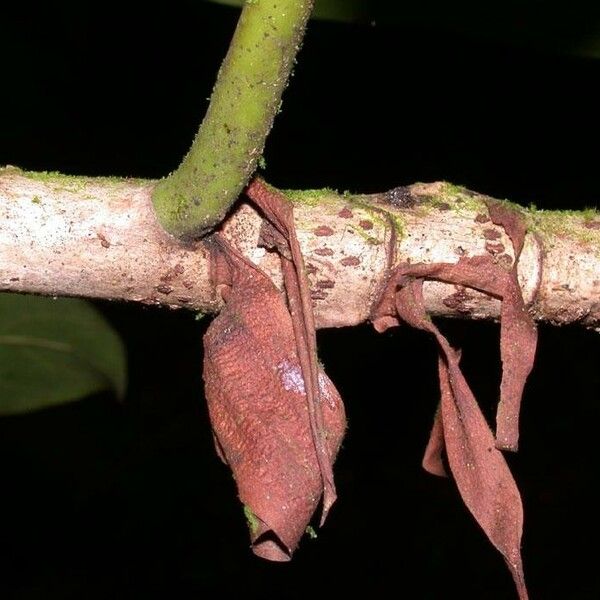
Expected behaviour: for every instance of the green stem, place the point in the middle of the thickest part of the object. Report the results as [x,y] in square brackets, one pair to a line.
[245,99]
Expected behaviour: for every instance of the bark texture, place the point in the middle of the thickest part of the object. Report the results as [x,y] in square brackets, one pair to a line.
[99,238]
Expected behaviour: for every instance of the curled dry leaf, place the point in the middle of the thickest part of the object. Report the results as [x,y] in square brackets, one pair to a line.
[518,336]
[479,468]
[279,213]
[257,400]
[480,471]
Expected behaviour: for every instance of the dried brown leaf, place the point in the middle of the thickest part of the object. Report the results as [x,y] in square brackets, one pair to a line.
[518,334]
[432,457]
[279,213]
[479,469]
[258,406]
[518,337]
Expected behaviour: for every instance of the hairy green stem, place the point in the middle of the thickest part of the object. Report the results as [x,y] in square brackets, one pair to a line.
[245,99]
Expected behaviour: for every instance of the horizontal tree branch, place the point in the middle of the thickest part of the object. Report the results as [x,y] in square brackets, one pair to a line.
[99,238]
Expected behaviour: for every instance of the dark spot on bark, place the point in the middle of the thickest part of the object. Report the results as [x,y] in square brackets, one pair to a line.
[323,230]
[196,201]
[494,248]
[318,295]
[103,241]
[366,224]
[324,251]
[350,261]
[184,299]
[481,218]
[187,284]
[14,279]
[310,269]
[592,224]
[271,239]
[443,206]
[458,300]
[563,287]
[505,261]
[325,284]
[460,250]
[172,273]
[491,234]
[401,197]
[163,288]
[345,213]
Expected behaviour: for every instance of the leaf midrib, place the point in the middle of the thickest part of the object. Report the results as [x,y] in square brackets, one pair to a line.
[46,344]
[36,342]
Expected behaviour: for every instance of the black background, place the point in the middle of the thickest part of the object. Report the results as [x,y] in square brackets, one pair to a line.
[107,500]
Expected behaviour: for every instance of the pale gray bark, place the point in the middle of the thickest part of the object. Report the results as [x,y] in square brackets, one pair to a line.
[99,238]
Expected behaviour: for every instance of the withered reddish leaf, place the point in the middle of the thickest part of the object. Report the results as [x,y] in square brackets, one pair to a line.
[518,341]
[480,471]
[279,213]
[518,334]
[432,457]
[258,407]
[511,221]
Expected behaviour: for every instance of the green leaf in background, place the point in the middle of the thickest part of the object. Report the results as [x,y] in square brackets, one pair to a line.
[54,351]
[572,28]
